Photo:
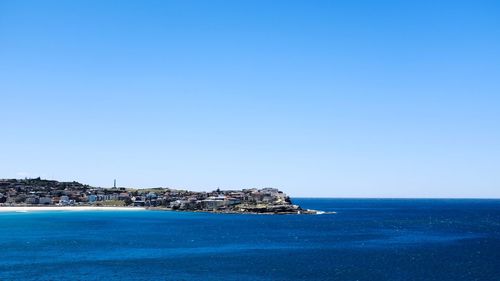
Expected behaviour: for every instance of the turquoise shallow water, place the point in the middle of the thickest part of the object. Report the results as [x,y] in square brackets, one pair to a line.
[366,240]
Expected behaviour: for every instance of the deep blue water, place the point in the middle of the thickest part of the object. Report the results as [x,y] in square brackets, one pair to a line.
[366,240]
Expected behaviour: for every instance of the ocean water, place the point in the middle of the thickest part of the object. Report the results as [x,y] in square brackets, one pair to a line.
[366,240]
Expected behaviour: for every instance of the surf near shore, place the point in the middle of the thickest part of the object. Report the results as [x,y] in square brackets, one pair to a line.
[67,208]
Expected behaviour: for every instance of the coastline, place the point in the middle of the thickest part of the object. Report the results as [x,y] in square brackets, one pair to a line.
[50,195]
[233,212]
[23,209]
[66,208]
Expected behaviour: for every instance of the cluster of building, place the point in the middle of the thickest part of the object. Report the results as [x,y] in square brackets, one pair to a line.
[230,200]
[38,191]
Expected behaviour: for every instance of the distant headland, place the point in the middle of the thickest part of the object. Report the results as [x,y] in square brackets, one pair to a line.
[37,192]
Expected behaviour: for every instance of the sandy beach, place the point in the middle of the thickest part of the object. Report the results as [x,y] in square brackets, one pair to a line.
[68,208]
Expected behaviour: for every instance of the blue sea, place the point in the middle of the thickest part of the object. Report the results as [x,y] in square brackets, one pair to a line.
[367,239]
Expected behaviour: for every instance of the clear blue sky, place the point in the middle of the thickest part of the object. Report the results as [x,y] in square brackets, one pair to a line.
[319,98]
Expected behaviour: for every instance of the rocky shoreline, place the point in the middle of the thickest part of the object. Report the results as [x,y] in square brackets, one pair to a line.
[272,210]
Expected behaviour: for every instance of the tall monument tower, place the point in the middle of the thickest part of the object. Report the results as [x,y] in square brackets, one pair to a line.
[114,184]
